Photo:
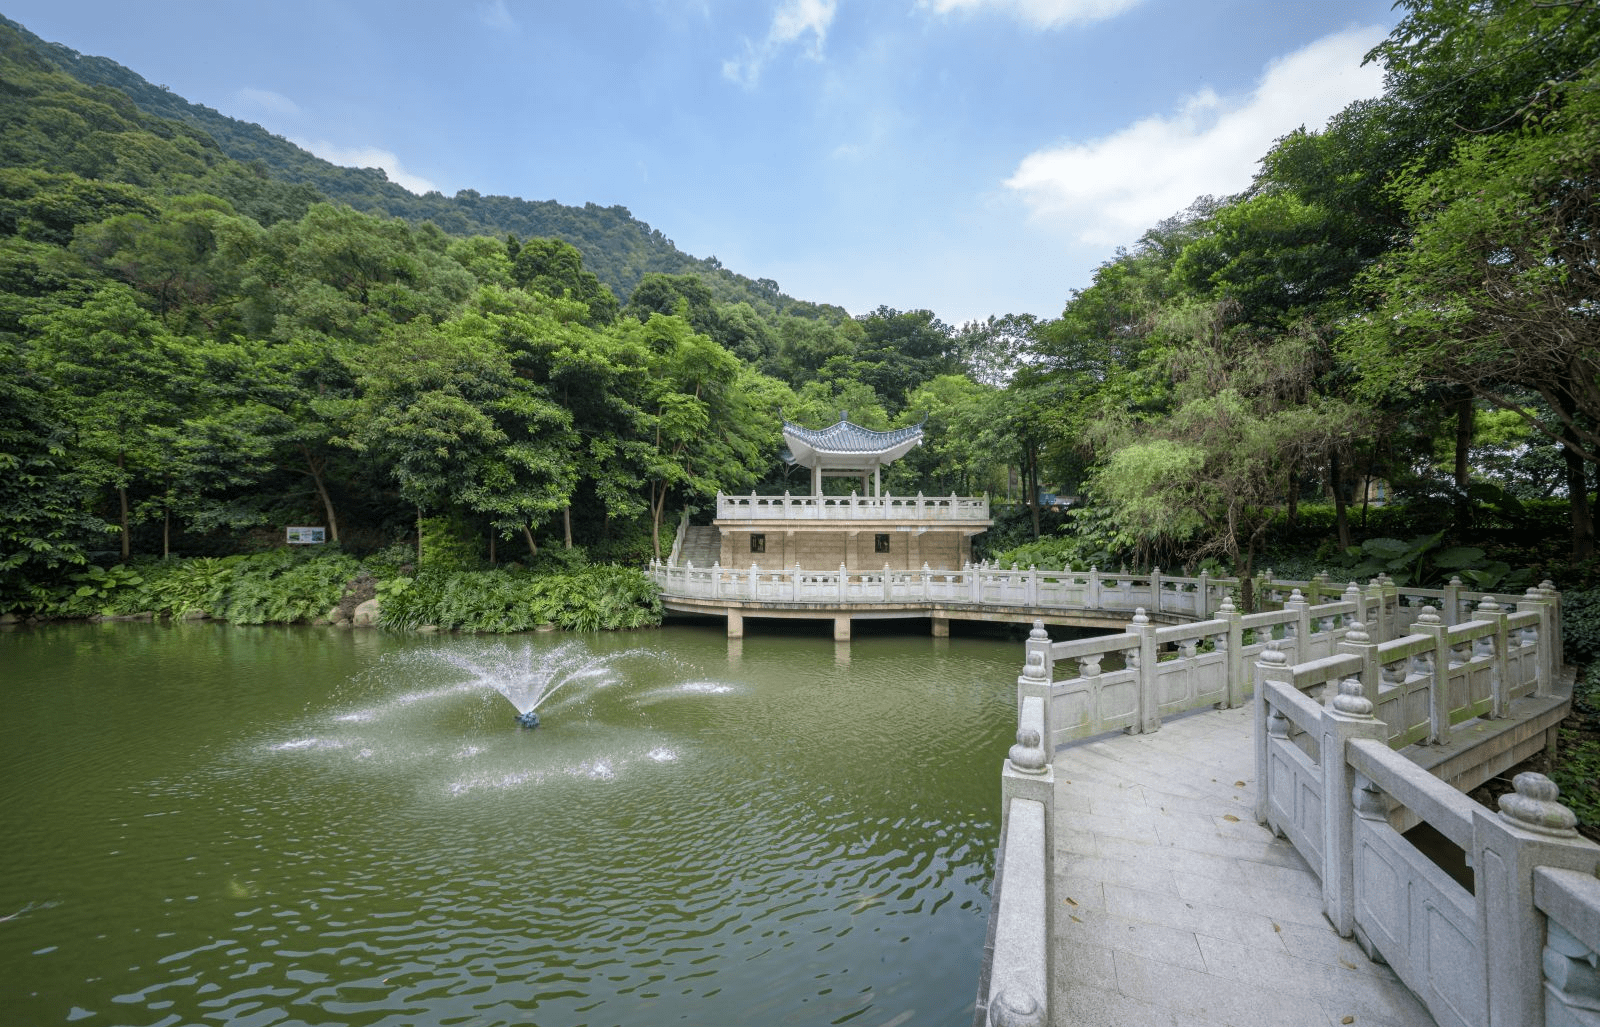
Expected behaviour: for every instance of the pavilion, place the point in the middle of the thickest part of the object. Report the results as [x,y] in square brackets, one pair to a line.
[865,531]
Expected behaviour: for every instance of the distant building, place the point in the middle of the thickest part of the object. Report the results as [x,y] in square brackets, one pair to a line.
[864,531]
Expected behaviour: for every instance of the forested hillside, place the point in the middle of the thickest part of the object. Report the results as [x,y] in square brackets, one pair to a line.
[1383,352]
[616,246]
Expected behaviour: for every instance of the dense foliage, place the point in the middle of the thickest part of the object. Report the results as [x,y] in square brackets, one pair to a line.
[1380,355]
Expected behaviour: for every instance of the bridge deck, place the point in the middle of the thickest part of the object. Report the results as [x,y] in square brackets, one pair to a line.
[1178,908]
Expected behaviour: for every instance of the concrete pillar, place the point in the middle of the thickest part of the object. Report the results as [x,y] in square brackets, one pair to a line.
[735,625]
[941,628]
[841,628]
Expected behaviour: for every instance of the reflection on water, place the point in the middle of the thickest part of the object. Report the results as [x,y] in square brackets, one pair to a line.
[208,823]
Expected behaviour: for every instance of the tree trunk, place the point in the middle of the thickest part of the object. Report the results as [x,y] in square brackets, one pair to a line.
[1582,521]
[566,523]
[419,537]
[166,533]
[1464,424]
[122,500]
[533,547]
[492,534]
[1341,515]
[314,467]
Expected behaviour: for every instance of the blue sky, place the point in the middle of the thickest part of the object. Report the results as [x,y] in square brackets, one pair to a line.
[972,157]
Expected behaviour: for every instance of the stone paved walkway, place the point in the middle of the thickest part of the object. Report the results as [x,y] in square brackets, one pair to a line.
[1177,908]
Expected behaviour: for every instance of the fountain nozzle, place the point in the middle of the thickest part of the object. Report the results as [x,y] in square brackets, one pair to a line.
[528,719]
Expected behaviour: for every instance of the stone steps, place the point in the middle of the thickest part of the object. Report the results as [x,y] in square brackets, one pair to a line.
[702,545]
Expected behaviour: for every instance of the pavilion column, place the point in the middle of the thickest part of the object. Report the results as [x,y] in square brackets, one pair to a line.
[877,481]
[816,479]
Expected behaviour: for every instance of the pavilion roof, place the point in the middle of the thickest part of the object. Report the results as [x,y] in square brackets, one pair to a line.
[847,445]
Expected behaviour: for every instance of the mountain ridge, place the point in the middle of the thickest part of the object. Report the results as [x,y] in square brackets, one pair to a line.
[617,247]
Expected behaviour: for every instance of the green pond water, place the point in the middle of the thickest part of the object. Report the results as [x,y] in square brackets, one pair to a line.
[208,823]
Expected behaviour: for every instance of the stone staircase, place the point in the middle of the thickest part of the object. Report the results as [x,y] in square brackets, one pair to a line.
[702,545]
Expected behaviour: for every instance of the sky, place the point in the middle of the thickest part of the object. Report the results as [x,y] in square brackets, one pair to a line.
[969,157]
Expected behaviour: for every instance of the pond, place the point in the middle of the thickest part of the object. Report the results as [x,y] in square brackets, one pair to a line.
[208,823]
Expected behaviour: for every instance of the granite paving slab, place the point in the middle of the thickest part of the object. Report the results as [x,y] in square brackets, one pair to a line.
[1177,908]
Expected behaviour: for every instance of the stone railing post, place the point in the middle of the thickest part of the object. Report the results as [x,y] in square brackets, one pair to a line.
[1500,669]
[716,580]
[1544,654]
[1437,667]
[1353,594]
[753,577]
[1155,590]
[974,584]
[1302,625]
[1038,672]
[1202,606]
[1318,587]
[1547,589]
[1142,658]
[844,584]
[1376,610]
[1348,716]
[1271,666]
[1571,903]
[1031,586]
[927,577]
[1231,642]
[1530,830]
[1091,595]
[1450,606]
[1357,641]
[794,583]
[888,592]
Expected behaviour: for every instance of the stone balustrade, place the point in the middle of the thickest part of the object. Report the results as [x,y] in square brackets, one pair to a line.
[1356,748]
[1374,710]
[852,508]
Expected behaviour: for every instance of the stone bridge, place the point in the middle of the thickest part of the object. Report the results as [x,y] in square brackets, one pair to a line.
[1083,599]
[1369,713]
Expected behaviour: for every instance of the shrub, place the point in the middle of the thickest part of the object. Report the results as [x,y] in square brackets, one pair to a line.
[513,600]
[1580,625]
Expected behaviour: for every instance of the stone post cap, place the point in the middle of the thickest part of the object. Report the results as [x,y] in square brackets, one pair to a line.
[1533,593]
[1038,630]
[1357,633]
[1487,605]
[1021,1010]
[1296,596]
[1139,616]
[1351,700]
[1534,807]
[1429,616]
[1226,606]
[1027,755]
[1272,655]
[1455,582]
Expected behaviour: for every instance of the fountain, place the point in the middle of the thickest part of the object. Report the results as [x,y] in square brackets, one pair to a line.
[528,675]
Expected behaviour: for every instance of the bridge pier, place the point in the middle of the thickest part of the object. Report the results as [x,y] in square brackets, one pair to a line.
[735,625]
[941,628]
[841,628]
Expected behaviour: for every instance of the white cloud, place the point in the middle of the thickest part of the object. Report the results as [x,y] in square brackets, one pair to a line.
[1112,189]
[267,100]
[790,22]
[496,15]
[1041,14]
[368,157]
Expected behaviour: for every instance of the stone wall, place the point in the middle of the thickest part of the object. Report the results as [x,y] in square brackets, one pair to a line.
[856,549]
